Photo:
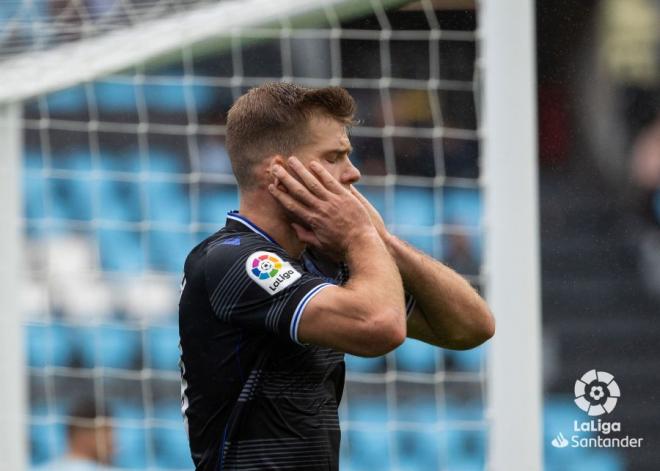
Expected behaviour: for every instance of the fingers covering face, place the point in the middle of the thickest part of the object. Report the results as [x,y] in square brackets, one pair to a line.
[290,203]
[294,188]
[310,181]
[330,182]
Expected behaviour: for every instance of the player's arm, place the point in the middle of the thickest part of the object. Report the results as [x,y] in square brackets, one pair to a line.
[448,312]
[367,315]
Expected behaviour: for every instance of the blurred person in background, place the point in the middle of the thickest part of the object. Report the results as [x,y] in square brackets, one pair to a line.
[646,178]
[90,440]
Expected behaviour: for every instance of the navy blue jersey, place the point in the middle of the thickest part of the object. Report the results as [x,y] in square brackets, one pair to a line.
[253,396]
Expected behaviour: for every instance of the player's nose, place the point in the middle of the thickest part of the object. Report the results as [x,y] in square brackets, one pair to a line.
[351,174]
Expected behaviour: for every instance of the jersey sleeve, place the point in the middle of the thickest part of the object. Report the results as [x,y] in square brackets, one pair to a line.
[260,288]
[410,303]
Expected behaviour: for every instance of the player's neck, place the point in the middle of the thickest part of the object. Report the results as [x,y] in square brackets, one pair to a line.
[263,211]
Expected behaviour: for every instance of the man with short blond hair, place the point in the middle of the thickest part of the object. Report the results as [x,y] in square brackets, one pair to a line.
[303,273]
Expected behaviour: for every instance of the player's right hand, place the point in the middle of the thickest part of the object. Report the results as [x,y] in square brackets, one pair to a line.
[333,215]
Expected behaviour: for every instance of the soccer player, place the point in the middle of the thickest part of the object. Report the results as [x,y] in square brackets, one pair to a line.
[303,273]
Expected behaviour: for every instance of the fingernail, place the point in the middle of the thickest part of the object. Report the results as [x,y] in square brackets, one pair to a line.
[271,187]
[292,160]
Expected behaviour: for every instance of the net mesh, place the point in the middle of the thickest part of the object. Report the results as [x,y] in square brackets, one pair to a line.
[125,173]
[37,25]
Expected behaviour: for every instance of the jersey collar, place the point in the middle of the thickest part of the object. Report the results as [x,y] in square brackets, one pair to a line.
[234,219]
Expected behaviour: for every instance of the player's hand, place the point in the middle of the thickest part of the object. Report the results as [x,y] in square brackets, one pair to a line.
[333,216]
[374,216]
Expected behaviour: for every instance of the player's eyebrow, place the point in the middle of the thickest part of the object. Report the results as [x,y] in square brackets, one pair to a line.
[340,150]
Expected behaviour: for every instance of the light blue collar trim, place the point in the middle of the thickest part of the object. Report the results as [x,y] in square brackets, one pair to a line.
[250,225]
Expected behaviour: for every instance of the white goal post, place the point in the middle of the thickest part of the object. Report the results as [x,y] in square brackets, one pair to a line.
[506,45]
[512,234]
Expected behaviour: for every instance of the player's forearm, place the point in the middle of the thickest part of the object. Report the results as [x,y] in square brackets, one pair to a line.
[375,281]
[457,315]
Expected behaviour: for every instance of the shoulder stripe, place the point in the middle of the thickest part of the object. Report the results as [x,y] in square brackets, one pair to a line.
[295,320]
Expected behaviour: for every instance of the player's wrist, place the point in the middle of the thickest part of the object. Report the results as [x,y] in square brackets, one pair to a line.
[360,238]
[390,241]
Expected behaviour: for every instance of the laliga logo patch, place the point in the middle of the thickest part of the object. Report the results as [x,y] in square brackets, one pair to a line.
[270,272]
[596,392]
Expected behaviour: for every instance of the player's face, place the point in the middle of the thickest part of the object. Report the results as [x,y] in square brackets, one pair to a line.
[328,144]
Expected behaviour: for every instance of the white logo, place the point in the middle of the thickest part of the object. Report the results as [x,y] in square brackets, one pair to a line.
[270,272]
[559,441]
[596,392]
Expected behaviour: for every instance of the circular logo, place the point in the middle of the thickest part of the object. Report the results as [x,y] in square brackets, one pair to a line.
[266,266]
[596,392]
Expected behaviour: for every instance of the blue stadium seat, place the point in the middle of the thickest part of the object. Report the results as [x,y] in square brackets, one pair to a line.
[121,250]
[33,196]
[422,408]
[417,450]
[119,201]
[67,100]
[115,96]
[558,415]
[165,97]
[368,411]
[33,160]
[173,96]
[461,206]
[466,449]
[215,202]
[71,198]
[47,441]
[170,442]
[121,409]
[124,160]
[130,445]
[49,345]
[164,161]
[582,459]
[466,463]
[466,360]
[355,364]
[76,159]
[368,449]
[9,10]
[168,202]
[109,346]
[601,460]
[414,206]
[168,250]
[163,347]
[376,196]
[417,356]
[421,242]
[205,97]
[458,409]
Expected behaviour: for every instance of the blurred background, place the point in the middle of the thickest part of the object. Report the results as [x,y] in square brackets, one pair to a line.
[122,175]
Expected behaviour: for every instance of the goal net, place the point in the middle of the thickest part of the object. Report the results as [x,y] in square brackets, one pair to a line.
[121,115]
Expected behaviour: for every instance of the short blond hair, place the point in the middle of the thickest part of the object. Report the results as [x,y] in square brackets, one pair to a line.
[272,119]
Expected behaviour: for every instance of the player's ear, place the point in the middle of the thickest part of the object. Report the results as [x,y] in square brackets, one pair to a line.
[276,159]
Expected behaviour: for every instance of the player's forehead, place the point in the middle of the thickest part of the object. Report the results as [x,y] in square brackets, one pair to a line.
[327,132]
